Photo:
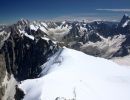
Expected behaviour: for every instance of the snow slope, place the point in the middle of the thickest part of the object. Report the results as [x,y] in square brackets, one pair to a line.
[126,23]
[77,76]
[122,60]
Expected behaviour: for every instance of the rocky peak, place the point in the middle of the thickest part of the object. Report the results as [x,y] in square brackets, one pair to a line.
[24,54]
[23,22]
[126,16]
[124,21]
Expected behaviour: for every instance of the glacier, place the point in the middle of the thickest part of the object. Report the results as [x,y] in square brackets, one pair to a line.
[73,75]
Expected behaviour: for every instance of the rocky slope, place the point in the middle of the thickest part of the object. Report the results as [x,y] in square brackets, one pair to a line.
[103,39]
[23,51]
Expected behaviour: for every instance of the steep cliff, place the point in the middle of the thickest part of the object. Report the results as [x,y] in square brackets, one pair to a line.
[22,53]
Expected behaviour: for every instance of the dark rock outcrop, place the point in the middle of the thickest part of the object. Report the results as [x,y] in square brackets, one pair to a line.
[19,94]
[22,52]
[24,55]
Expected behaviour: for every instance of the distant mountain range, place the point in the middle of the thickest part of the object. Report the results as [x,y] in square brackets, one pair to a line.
[105,39]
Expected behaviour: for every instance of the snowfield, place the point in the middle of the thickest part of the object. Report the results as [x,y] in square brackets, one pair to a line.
[122,60]
[74,75]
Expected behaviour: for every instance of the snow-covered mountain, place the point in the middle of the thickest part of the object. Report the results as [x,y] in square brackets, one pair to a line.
[25,46]
[105,39]
[22,52]
[76,76]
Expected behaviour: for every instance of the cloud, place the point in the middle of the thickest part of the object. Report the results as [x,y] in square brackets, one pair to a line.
[115,10]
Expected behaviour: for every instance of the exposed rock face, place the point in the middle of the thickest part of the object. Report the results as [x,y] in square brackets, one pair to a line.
[2,75]
[19,94]
[23,52]
[24,55]
[100,38]
[124,21]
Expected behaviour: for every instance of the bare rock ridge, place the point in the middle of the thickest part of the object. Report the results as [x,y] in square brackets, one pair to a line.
[23,52]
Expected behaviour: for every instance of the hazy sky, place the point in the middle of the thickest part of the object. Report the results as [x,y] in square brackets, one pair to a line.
[12,10]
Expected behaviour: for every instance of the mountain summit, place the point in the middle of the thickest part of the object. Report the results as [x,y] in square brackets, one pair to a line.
[125,20]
